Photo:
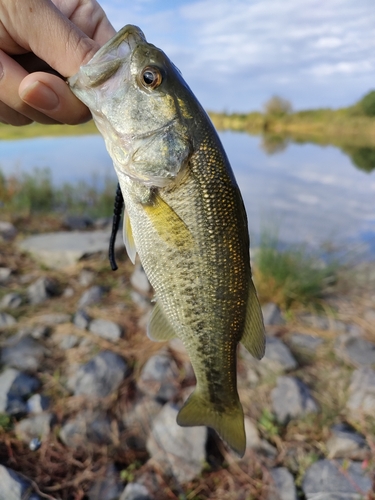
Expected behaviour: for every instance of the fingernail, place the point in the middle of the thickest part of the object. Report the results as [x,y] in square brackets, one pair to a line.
[1,71]
[40,96]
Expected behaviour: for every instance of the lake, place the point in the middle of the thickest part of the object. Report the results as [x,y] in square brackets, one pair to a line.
[306,193]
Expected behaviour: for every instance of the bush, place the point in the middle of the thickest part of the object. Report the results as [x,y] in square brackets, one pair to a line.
[367,104]
[277,106]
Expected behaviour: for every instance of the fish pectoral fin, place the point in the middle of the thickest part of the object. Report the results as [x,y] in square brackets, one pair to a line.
[127,234]
[254,335]
[159,328]
[228,423]
[168,224]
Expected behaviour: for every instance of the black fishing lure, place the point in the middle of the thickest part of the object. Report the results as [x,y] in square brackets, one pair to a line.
[117,211]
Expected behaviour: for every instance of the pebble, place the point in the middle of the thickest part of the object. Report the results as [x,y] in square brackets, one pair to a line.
[323,322]
[306,343]
[37,426]
[283,487]
[7,231]
[88,426]
[254,442]
[336,480]
[91,296]
[135,491]
[278,356]
[23,353]
[5,273]
[11,301]
[53,319]
[138,420]
[14,486]
[14,386]
[291,399]
[107,487]
[37,403]
[362,392]
[140,301]
[36,332]
[81,319]
[6,320]
[139,280]
[346,443]
[179,451]
[101,376]
[86,277]
[159,377]
[66,341]
[355,350]
[106,329]
[272,314]
[41,290]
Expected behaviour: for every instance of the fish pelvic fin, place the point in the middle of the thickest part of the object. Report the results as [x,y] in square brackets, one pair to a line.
[159,328]
[253,338]
[128,238]
[228,422]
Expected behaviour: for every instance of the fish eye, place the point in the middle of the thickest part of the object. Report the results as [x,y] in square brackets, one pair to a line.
[151,77]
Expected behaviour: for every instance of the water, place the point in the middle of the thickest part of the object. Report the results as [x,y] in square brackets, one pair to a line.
[308,194]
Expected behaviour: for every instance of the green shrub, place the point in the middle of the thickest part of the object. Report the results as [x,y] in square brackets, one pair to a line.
[277,106]
[367,104]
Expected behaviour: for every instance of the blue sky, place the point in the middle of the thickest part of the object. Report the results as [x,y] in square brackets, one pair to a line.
[236,54]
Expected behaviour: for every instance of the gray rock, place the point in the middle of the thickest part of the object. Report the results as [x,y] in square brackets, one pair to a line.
[324,323]
[101,376]
[159,377]
[254,442]
[7,231]
[91,296]
[180,451]
[41,290]
[36,332]
[362,392]
[106,329]
[346,443]
[135,491]
[53,319]
[81,319]
[139,280]
[283,487]
[37,426]
[278,356]
[68,292]
[138,421]
[272,314]
[88,426]
[108,487]
[77,222]
[355,350]
[24,353]
[37,404]
[140,301]
[14,386]
[5,273]
[291,399]
[14,486]
[86,277]
[11,301]
[6,320]
[304,342]
[326,480]
[66,341]
[61,249]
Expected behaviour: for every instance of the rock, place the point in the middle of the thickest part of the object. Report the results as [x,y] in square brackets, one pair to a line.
[37,426]
[88,426]
[106,329]
[41,290]
[278,356]
[138,421]
[254,442]
[24,353]
[66,341]
[107,487]
[53,319]
[61,249]
[101,376]
[14,486]
[68,292]
[81,319]
[140,301]
[179,451]
[323,323]
[159,377]
[291,399]
[346,443]
[304,342]
[86,277]
[37,404]
[7,231]
[272,314]
[362,392]
[135,491]
[11,301]
[355,350]
[283,487]
[5,273]
[36,332]
[14,386]
[91,296]
[77,222]
[6,320]
[335,480]
[139,280]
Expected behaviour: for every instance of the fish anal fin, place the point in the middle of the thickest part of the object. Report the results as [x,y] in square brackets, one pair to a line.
[228,423]
[128,238]
[159,328]
[253,338]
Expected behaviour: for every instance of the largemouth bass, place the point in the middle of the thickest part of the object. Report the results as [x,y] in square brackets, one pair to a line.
[184,216]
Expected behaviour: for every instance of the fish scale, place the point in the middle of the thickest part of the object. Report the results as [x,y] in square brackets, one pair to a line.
[184,217]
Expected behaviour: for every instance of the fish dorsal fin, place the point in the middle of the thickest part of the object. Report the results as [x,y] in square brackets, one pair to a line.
[159,327]
[253,337]
[168,224]
[128,238]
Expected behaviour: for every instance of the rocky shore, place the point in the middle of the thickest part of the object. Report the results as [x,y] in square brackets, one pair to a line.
[88,403]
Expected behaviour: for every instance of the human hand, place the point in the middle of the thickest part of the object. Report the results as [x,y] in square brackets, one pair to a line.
[40,39]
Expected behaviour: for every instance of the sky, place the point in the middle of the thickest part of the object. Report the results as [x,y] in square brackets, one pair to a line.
[236,54]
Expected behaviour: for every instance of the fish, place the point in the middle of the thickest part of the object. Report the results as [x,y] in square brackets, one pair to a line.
[184,216]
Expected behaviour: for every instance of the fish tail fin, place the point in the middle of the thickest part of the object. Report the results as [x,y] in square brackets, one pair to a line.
[228,422]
